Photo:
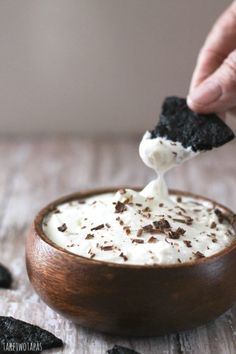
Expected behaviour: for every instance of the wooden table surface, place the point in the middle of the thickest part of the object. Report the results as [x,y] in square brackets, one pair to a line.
[35,171]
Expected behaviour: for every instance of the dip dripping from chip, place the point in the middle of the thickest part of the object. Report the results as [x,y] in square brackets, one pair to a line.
[181,134]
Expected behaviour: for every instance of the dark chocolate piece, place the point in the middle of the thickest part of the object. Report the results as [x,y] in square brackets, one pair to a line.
[213,225]
[62,228]
[5,277]
[89,237]
[120,207]
[188,243]
[19,334]
[148,228]
[187,221]
[137,240]
[161,224]
[146,210]
[124,256]
[139,232]
[152,240]
[99,227]
[121,350]
[199,254]
[200,131]
[220,215]
[127,230]
[107,248]
[177,233]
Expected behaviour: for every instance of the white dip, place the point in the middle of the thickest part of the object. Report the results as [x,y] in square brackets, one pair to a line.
[147,227]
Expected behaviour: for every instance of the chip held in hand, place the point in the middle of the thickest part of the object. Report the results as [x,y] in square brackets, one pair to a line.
[198,131]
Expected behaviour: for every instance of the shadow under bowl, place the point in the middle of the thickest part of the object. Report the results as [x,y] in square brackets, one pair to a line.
[137,300]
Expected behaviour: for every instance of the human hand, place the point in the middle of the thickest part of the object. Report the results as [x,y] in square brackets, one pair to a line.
[213,85]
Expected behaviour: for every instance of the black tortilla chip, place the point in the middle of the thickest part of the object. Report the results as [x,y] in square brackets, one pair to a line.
[121,350]
[5,277]
[19,335]
[200,131]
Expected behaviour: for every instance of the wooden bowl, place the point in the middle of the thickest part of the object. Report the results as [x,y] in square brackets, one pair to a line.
[129,299]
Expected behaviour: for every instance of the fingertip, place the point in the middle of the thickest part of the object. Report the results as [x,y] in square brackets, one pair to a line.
[195,107]
[190,102]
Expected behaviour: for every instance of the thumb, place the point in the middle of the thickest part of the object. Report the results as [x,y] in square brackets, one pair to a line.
[217,93]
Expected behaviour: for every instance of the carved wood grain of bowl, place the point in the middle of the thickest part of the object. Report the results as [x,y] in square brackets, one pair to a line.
[139,300]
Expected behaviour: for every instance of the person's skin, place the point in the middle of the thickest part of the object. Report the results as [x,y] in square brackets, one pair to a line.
[213,85]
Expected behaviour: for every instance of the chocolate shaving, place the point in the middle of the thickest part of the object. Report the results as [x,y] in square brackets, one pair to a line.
[139,232]
[121,222]
[101,226]
[188,243]
[182,209]
[120,207]
[72,245]
[152,240]
[199,254]
[157,231]
[179,199]
[108,225]
[161,205]
[107,248]
[124,257]
[146,210]
[177,233]
[187,221]
[162,224]
[148,228]
[127,230]
[62,228]
[137,240]
[180,220]
[138,204]
[89,237]
[220,215]
[213,225]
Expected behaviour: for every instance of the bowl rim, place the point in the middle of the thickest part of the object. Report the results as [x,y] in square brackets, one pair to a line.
[83,194]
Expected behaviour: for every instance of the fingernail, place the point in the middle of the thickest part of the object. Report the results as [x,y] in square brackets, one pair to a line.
[205,94]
